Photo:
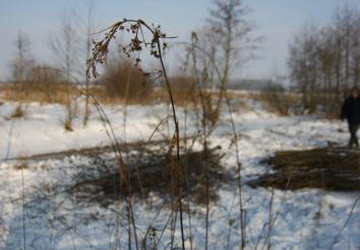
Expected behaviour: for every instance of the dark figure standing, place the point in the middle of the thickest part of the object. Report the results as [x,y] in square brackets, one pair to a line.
[351,112]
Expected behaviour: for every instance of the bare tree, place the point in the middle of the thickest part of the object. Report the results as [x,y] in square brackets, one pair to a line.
[213,54]
[64,44]
[223,45]
[324,62]
[89,30]
[303,64]
[22,63]
[231,30]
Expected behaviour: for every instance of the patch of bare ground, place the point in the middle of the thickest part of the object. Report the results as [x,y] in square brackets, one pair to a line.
[334,169]
[154,173]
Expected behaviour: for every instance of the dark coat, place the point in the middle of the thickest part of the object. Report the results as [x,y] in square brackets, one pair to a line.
[351,110]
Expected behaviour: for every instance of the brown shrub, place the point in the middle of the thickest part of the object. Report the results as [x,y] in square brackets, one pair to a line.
[17,113]
[44,84]
[68,126]
[279,101]
[183,90]
[20,166]
[122,79]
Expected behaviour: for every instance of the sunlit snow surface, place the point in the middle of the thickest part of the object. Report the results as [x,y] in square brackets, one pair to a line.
[305,219]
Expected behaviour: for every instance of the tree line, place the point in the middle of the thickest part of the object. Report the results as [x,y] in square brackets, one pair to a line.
[324,62]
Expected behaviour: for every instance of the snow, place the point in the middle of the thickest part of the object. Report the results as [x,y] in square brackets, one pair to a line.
[303,219]
[42,130]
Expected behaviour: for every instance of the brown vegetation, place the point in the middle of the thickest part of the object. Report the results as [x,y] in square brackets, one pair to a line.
[17,113]
[122,80]
[280,101]
[335,169]
[153,174]
[184,91]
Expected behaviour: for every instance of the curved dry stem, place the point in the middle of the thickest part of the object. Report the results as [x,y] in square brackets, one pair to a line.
[138,42]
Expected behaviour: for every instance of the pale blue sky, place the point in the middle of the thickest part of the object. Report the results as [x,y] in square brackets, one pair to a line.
[277,21]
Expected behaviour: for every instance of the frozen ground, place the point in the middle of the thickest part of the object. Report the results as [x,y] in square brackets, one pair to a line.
[35,208]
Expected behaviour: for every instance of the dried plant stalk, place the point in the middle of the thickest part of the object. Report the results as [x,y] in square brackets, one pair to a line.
[139,42]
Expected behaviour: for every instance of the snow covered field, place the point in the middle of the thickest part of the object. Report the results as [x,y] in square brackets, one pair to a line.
[304,219]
